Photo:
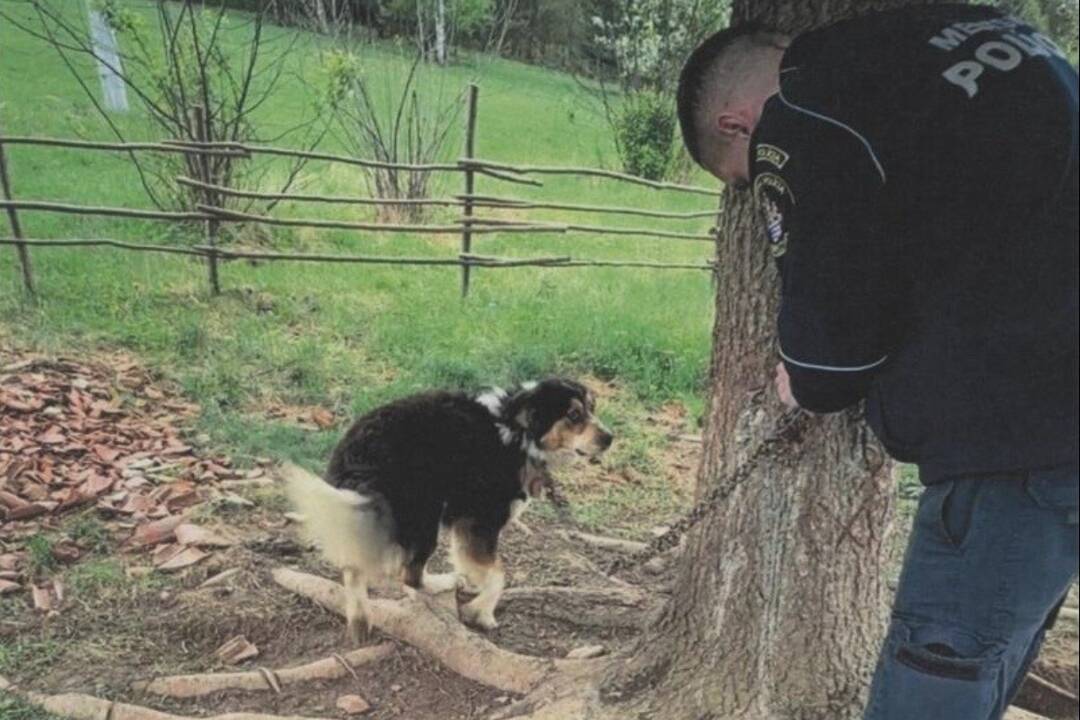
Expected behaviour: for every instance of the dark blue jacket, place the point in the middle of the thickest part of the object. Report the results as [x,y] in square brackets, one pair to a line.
[917,174]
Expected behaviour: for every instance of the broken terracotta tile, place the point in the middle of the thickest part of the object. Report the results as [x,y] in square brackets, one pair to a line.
[189,534]
[187,557]
[157,531]
[352,705]
[9,586]
[42,598]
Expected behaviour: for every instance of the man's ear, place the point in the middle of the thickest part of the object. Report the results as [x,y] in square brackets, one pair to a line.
[731,125]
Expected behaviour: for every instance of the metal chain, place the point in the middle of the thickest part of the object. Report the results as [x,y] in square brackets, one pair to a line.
[789,426]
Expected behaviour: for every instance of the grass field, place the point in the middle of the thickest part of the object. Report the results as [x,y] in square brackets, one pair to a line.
[348,337]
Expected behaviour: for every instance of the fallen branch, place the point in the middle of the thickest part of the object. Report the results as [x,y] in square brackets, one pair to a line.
[197,685]
[435,632]
[605,543]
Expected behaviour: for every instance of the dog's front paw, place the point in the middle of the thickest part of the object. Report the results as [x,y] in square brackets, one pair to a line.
[440,583]
[480,617]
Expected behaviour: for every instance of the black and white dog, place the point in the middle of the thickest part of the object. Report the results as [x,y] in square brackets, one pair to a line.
[469,463]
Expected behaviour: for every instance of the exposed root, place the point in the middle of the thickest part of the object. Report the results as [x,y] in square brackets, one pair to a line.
[79,706]
[631,547]
[186,686]
[1068,613]
[616,607]
[1046,697]
[583,563]
[421,623]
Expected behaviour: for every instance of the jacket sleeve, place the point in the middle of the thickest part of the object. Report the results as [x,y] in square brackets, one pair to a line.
[819,191]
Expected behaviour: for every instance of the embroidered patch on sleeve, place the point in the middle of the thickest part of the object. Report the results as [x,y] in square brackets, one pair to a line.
[774,199]
[771,155]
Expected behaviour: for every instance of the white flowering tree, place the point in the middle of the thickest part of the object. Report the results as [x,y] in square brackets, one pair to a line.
[643,44]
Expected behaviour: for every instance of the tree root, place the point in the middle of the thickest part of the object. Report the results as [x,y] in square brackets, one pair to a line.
[331,668]
[621,607]
[421,623]
[603,542]
[79,706]
[1046,697]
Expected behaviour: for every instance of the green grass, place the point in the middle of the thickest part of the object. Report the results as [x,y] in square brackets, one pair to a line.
[12,708]
[350,337]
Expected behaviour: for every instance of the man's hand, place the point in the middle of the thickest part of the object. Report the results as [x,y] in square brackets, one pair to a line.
[783,387]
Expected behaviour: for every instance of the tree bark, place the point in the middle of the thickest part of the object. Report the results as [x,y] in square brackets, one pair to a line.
[780,601]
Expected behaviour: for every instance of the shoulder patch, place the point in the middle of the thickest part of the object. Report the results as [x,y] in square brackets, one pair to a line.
[771,155]
[774,200]
[774,183]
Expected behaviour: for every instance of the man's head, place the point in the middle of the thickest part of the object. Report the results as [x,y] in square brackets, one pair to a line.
[722,89]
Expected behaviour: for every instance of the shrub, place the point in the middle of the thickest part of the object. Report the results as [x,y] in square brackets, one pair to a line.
[645,132]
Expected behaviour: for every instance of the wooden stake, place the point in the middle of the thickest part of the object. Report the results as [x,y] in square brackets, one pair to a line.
[470,181]
[16,229]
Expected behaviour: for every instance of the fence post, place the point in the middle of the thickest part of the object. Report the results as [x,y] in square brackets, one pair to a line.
[16,229]
[470,183]
[200,126]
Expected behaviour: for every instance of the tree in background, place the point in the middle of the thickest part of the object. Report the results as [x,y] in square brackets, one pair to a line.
[437,24]
[641,45]
[1060,19]
[177,58]
[407,122]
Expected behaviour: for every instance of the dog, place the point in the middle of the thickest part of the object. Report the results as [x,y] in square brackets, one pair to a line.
[466,463]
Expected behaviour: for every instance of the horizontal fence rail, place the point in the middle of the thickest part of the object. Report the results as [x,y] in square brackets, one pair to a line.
[462,259]
[213,193]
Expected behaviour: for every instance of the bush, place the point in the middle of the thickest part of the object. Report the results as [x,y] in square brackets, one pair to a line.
[645,134]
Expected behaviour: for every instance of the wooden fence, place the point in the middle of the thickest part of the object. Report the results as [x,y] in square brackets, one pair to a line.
[212,213]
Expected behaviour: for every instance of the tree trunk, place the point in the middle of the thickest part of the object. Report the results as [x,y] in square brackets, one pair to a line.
[780,600]
[440,32]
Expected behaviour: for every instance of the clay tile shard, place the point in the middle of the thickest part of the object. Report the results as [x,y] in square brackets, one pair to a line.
[188,534]
[42,598]
[157,531]
[28,511]
[66,551]
[352,705]
[106,454]
[11,501]
[53,436]
[323,418]
[236,650]
[9,586]
[187,557]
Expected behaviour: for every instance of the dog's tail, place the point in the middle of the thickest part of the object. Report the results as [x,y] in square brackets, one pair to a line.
[345,525]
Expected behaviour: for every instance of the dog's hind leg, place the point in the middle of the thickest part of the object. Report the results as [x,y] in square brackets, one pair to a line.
[357,623]
[473,552]
[416,576]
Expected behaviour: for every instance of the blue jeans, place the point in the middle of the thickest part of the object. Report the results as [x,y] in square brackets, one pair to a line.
[989,562]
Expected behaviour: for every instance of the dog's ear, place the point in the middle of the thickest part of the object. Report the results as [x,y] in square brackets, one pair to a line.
[520,409]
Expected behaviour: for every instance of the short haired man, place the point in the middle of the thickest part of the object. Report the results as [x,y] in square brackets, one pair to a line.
[917,174]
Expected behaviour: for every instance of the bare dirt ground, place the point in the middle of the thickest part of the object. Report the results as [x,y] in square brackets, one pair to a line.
[107,613]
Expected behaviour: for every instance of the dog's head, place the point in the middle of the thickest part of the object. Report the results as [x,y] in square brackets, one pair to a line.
[557,414]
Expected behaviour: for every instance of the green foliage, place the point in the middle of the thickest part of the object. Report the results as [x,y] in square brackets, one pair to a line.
[12,708]
[90,533]
[341,69]
[1060,19]
[646,134]
[39,549]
